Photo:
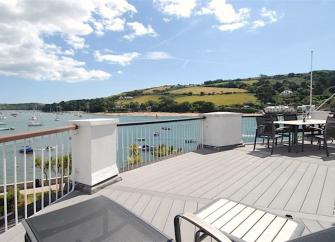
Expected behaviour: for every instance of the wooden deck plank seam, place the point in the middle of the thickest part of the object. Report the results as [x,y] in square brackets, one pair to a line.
[215,177]
[309,165]
[252,177]
[232,164]
[286,166]
[287,180]
[193,174]
[309,187]
[241,175]
[232,173]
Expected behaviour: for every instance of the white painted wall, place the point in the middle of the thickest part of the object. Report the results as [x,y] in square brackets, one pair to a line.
[222,129]
[319,115]
[94,150]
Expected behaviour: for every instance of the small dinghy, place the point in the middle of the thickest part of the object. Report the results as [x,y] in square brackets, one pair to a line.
[34,123]
[28,149]
[6,129]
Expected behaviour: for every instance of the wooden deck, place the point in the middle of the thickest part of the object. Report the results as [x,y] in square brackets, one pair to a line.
[299,184]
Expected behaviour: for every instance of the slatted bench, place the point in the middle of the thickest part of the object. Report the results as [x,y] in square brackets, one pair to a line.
[226,220]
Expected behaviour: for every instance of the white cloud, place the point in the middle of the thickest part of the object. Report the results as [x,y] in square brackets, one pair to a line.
[233,26]
[127,58]
[178,8]
[270,15]
[267,17]
[26,28]
[225,12]
[257,24]
[120,59]
[119,72]
[157,55]
[231,19]
[140,30]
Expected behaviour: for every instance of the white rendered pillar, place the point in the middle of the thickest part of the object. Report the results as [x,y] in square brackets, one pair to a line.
[222,129]
[94,152]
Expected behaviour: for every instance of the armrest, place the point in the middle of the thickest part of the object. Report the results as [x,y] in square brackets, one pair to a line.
[195,220]
[315,129]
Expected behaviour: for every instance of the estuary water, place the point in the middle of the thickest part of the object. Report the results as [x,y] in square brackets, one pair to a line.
[12,122]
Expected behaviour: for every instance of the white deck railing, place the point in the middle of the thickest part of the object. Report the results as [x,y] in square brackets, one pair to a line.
[142,143]
[35,172]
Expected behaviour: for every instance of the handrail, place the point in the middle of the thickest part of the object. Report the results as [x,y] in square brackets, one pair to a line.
[159,122]
[31,134]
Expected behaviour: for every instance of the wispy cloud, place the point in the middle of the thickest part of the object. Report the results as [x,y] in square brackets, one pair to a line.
[229,18]
[127,58]
[157,55]
[140,30]
[120,59]
[177,8]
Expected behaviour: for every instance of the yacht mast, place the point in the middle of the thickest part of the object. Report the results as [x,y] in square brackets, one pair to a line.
[311,81]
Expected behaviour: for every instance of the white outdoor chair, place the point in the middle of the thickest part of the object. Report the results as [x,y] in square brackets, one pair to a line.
[226,220]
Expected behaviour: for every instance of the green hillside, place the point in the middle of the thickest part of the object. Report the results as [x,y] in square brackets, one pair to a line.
[244,95]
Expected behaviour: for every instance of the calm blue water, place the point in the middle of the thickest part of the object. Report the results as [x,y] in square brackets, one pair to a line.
[182,136]
[20,124]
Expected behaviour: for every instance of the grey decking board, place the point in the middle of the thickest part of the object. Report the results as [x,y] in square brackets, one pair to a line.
[151,209]
[162,213]
[141,204]
[313,196]
[312,225]
[298,197]
[264,168]
[175,174]
[327,201]
[189,174]
[151,190]
[175,177]
[187,228]
[218,184]
[166,165]
[252,197]
[286,192]
[206,177]
[211,182]
[272,191]
[176,208]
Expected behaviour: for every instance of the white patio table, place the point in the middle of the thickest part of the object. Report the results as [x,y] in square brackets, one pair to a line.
[296,123]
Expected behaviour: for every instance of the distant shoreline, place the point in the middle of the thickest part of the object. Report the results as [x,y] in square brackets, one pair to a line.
[159,114]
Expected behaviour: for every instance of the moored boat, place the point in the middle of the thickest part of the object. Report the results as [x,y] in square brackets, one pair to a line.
[34,123]
[28,149]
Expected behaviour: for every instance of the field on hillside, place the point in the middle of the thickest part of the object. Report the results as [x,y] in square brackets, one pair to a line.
[141,99]
[206,90]
[152,90]
[228,99]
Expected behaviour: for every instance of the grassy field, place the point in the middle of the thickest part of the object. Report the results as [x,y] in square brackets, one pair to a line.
[141,99]
[206,90]
[151,90]
[229,99]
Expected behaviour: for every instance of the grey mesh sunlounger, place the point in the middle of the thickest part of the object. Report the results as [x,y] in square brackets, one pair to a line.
[97,219]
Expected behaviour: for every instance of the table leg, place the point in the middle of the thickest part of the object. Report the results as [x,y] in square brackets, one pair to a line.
[296,138]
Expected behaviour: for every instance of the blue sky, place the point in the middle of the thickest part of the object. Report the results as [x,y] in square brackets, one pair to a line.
[49,52]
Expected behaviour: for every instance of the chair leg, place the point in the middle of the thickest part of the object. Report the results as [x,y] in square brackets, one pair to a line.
[303,141]
[255,142]
[326,146]
[289,142]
